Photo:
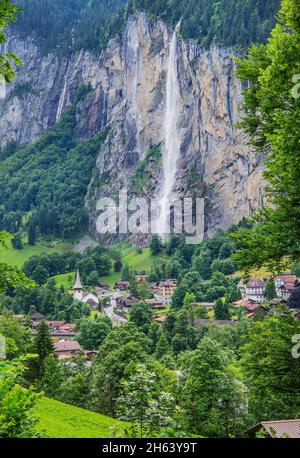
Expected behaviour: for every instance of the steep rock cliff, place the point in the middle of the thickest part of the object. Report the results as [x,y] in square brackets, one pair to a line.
[128,93]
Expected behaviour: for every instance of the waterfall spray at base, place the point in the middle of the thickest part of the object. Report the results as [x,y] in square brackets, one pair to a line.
[171,135]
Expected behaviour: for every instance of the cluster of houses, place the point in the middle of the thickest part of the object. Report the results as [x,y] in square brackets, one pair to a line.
[253,293]
[62,334]
[161,293]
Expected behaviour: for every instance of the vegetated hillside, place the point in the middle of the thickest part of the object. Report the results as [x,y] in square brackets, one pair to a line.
[61,25]
[59,420]
[51,177]
[80,24]
[223,22]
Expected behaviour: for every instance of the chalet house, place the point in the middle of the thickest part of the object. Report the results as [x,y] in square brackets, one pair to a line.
[66,348]
[126,302]
[121,285]
[58,329]
[38,318]
[253,290]
[166,290]
[276,429]
[156,304]
[285,285]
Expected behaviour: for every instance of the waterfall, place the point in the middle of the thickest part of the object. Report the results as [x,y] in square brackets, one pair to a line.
[171,135]
[61,100]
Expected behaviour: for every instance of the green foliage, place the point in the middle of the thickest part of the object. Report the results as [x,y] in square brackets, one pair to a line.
[214,408]
[272,120]
[8,12]
[52,177]
[92,332]
[10,276]
[270,369]
[141,315]
[147,168]
[147,409]
[224,22]
[17,337]
[43,346]
[16,403]
[74,24]
[156,245]
[270,291]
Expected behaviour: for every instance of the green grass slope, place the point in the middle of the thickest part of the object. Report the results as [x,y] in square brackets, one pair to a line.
[14,257]
[141,262]
[59,420]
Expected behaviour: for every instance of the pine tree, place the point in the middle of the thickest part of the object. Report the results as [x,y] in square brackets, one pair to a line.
[31,232]
[162,347]
[43,345]
[156,245]
[270,291]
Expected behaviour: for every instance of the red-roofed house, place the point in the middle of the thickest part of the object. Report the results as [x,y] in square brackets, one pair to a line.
[277,429]
[286,285]
[66,348]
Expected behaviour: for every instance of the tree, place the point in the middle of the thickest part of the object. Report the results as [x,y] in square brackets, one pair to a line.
[121,349]
[32,232]
[92,332]
[10,276]
[40,275]
[270,291]
[43,345]
[215,408]
[271,120]
[17,242]
[148,410]
[189,299]
[162,346]
[118,265]
[8,13]
[156,245]
[16,403]
[93,278]
[52,378]
[141,315]
[221,310]
[270,370]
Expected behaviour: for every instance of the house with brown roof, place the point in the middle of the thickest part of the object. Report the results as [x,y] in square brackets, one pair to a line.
[66,348]
[285,285]
[38,317]
[253,290]
[278,429]
[121,285]
[126,302]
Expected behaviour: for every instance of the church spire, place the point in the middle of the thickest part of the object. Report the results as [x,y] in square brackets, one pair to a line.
[78,290]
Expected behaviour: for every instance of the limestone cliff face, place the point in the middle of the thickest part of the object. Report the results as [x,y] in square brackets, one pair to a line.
[129,95]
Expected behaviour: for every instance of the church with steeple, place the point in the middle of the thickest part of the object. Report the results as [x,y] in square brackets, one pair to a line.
[80,295]
[78,290]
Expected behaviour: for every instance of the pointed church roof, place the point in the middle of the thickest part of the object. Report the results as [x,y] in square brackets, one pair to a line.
[78,284]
